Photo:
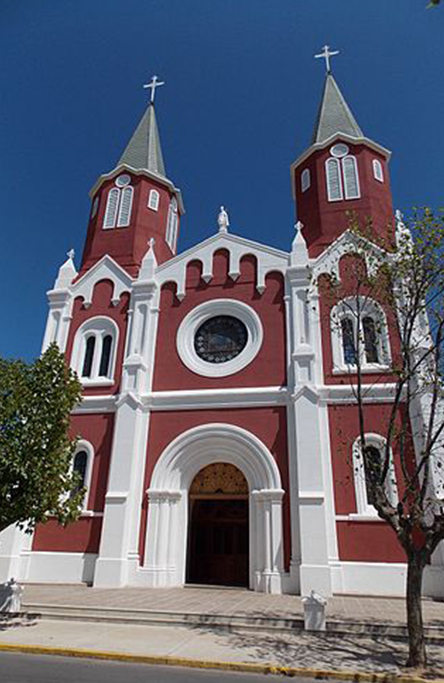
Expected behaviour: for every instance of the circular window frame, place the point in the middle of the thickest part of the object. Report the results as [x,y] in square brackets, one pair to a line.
[212,309]
[339,150]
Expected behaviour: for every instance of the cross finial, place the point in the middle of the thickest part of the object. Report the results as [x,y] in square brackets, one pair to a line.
[326,54]
[70,254]
[152,85]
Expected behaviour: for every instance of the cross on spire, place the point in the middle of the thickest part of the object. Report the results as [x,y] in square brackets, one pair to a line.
[152,85]
[326,54]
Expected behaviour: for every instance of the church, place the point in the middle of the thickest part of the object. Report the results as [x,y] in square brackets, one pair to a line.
[218,436]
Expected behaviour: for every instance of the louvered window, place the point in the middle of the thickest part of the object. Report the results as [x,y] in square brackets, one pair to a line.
[153,200]
[305,179]
[377,170]
[334,184]
[351,183]
[111,208]
[95,206]
[126,202]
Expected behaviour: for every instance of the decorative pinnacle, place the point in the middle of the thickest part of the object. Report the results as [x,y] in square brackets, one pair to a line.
[151,242]
[70,254]
[326,54]
[222,220]
[152,85]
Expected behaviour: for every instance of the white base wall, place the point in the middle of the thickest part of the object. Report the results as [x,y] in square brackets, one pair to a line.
[382,579]
[49,567]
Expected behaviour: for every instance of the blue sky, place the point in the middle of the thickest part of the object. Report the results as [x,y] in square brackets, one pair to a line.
[239,104]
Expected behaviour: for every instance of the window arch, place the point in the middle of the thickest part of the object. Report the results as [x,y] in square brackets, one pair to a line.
[305,179]
[82,465]
[94,351]
[172,223]
[341,172]
[153,200]
[372,467]
[119,204]
[378,173]
[359,333]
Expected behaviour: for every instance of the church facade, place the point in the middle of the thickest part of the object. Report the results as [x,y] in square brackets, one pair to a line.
[218,437]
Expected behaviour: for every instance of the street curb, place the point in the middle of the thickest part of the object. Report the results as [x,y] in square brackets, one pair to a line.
[222,666]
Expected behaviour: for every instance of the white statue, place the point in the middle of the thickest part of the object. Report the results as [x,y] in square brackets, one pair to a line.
[10,596]
[222,220]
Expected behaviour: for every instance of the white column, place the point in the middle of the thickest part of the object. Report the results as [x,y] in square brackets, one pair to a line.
[310,547]
[268,561]
[118,560]
[164,548]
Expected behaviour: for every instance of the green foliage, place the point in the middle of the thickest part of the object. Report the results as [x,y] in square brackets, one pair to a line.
[36,480]
[433,3]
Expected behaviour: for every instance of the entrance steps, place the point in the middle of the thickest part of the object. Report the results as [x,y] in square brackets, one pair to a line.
[219,621]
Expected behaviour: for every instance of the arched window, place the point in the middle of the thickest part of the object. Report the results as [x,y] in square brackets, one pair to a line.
[94,351]
[305,179]
[126,203]
[378,173]
[153,200]
[79,467]
[359,333]
[371,471]
[89,356]
[82,465]
[111,208]
[370,340]
[106,355]
[119,203]
[348,341]
[341,172]
[95,206]
[172,222]
[351,182]
[334,182]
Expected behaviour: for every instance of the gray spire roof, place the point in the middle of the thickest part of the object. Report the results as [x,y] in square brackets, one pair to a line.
[143,150]
[334,115]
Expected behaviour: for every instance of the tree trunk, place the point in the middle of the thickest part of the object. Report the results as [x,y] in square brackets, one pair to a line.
[417,650]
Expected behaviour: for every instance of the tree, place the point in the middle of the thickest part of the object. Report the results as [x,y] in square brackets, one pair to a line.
[405,277]
[433,3]
[36,478]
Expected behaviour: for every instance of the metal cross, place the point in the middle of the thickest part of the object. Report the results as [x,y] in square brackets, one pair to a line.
[326,54]
[152,85]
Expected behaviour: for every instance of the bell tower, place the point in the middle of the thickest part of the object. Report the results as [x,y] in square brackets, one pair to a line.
[343,174]
[135,202]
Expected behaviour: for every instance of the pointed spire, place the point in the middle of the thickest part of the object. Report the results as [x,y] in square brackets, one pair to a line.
[67,272]
[334,114]
[299,251]
[143,151]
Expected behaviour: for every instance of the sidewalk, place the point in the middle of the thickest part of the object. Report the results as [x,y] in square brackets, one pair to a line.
[210,643]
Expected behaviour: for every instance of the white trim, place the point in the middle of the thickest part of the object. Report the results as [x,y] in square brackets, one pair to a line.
[348,309]
[109,219]
[216,398]
[86,446]
[173,474]
[125,207]
[333,162]
[378,172]
[153,200]
[347,190]
[105,269]
[305,180]
[99,327]
[210,309]
[172,225]
[363,507]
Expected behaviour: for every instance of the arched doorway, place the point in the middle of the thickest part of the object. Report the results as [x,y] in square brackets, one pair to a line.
[218,540]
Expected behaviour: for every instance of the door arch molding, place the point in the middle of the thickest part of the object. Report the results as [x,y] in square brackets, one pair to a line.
[182,459]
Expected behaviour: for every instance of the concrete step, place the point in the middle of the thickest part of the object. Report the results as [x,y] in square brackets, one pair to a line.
[216,621]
